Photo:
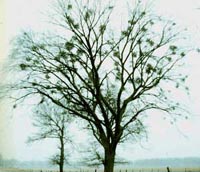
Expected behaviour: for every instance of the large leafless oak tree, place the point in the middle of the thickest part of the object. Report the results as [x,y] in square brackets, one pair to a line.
[108,78]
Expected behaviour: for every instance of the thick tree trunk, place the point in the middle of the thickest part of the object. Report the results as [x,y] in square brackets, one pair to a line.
[109,160]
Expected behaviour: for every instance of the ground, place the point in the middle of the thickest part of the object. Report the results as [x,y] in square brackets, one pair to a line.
[100,170]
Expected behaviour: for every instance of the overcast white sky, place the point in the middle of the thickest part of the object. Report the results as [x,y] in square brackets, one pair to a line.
[165,140]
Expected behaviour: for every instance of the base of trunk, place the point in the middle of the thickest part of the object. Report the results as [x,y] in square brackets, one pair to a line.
[109,161]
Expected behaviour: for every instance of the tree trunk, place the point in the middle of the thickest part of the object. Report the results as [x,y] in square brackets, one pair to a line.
[62,155]
[61,167]
[109,159]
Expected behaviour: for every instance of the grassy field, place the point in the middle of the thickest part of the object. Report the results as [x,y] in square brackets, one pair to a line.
[100,170]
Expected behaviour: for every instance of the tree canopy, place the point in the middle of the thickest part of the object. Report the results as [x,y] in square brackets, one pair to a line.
[106,77]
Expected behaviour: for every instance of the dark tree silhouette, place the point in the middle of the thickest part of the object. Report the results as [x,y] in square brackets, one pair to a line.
[52,123]
[107,78]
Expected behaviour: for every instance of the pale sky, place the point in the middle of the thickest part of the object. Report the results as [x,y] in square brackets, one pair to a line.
[164,140]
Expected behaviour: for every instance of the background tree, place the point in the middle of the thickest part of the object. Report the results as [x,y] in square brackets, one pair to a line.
[52,123]
[106,77]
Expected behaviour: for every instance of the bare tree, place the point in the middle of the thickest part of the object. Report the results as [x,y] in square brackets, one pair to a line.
[52,123]
[107,78]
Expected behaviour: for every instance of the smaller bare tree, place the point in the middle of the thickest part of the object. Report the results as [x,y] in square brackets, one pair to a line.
[52,123]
